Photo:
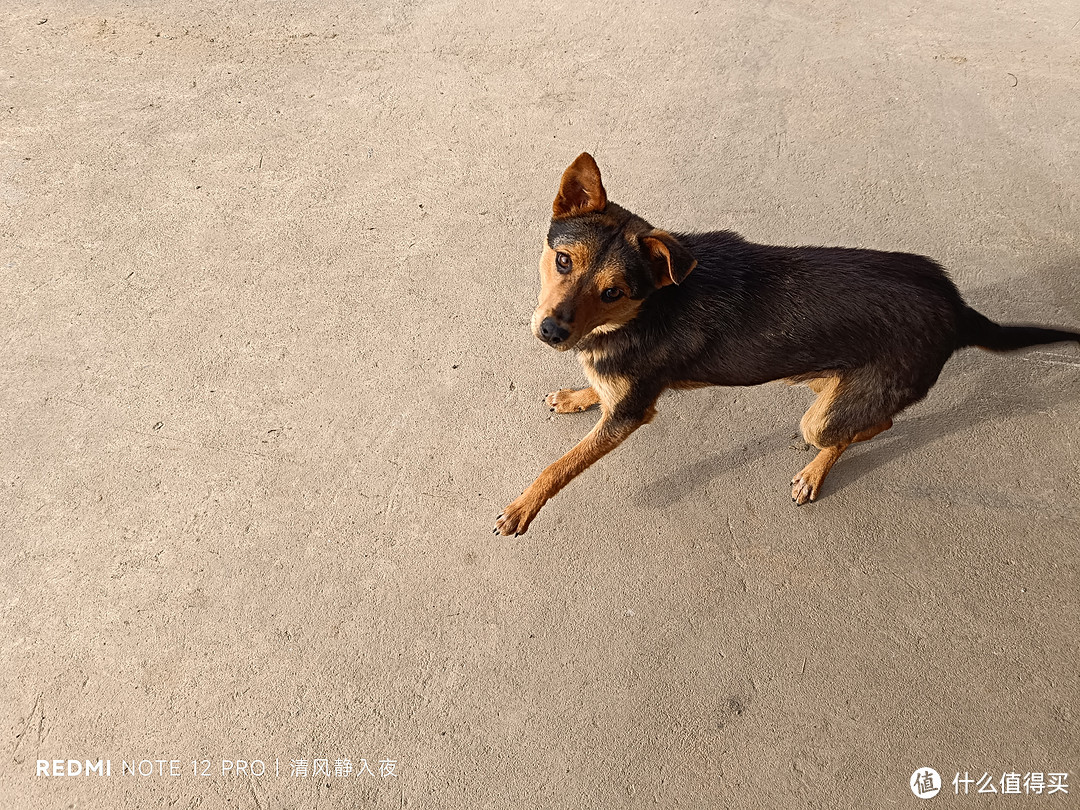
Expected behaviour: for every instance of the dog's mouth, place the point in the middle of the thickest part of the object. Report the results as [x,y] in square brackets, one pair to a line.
[561,345]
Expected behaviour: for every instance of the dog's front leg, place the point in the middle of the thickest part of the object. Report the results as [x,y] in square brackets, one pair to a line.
[605,437]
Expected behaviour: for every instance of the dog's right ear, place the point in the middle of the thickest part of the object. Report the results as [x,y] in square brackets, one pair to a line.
[580,191]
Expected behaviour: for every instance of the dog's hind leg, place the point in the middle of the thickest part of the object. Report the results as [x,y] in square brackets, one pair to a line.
[807,484]
[569,400]
[849,409]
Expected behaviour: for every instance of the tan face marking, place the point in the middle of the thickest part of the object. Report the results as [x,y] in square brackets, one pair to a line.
[577,295]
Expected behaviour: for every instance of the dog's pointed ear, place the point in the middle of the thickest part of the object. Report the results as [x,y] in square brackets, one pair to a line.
[671,262]
[580,191]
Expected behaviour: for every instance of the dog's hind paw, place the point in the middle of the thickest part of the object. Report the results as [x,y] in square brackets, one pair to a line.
[803,489]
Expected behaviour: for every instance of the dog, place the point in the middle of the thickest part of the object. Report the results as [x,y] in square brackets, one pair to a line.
[645,310]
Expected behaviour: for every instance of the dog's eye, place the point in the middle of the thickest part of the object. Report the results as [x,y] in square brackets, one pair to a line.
[563,262]
[611,294]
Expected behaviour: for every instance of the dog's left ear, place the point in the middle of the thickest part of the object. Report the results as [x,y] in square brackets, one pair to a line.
[671,262]
[580,190]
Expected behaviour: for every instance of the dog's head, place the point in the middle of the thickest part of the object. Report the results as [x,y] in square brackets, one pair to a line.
[600,261]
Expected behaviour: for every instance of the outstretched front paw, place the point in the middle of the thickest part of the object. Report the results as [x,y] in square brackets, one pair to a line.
[569,400]
[515,518]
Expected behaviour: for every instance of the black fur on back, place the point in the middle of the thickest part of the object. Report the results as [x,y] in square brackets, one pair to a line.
[884,322]
[752,313]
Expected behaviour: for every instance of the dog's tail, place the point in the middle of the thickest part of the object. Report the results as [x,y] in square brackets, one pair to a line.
[978,330]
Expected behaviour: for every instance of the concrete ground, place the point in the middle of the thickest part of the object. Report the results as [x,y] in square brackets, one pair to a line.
[266,379]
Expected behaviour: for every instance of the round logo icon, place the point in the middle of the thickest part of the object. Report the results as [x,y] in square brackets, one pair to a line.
[925,783]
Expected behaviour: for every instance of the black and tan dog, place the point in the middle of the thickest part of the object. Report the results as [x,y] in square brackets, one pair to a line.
[647,310]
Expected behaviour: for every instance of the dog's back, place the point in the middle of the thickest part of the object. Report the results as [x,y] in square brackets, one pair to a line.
[753,313]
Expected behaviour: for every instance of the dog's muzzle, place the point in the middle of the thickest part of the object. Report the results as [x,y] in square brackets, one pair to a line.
[551,332]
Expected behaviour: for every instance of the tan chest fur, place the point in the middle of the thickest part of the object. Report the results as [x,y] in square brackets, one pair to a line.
[609,388]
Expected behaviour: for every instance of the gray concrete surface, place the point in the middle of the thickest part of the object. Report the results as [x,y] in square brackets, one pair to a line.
[266,379]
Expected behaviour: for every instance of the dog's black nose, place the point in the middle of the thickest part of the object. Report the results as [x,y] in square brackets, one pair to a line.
[551,332]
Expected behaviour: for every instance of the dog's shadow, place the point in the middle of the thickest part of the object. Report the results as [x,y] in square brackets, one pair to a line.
[1001,387]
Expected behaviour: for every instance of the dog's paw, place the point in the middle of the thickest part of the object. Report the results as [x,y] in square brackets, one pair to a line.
[569,400]
[803,489]
[806,486]
[515,518]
